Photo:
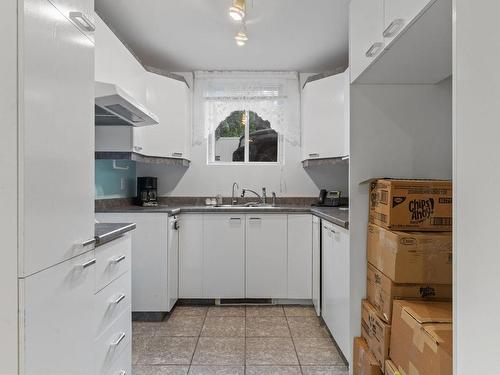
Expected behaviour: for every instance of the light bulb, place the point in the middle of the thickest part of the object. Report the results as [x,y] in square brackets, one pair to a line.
[240,43]
[237,10]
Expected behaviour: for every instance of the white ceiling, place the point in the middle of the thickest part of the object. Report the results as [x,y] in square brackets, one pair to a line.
[185,35]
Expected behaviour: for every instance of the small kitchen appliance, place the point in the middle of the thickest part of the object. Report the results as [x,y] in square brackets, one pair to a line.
[147,191]
[330,198]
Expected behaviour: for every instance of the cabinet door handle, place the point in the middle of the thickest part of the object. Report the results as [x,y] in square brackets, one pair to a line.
[82,21]
[236,218]
[374,49]
[89,263]
[314,155]
[118,340]
[88,242]
[333,231]
[122,372]
[177,154]
[255,219]
[118,259]
[120,298]
[393,27]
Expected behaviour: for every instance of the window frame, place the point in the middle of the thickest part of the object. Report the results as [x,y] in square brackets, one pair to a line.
[211,148]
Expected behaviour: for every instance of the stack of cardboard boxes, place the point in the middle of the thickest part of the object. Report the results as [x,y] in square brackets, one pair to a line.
[406,320]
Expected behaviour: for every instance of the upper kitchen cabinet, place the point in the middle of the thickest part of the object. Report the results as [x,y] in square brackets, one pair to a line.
[80,12]
[409,41]
[56,138]
[325,117]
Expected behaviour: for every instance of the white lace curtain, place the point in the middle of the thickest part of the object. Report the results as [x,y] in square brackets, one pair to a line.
[274,96]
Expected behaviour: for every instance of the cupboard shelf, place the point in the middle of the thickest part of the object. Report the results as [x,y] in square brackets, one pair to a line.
[140,158]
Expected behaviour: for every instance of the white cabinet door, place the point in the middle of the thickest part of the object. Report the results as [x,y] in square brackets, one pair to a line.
[57,138]
[266,256]
[300,256]
[59,319]
[366,34]
[399,14]
[191,256]
[169,99]
[173,261]
[316,264]
[335,284]
[80,12]
[224,256]
[325,117]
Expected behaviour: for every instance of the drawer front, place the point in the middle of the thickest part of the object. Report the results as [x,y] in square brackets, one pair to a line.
[113,260]
[123,365]
[114,341]
[112,301]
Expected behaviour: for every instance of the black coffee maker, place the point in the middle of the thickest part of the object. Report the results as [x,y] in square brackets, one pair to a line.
[147,191]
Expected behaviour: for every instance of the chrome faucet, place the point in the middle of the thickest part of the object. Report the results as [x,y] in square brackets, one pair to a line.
[274,198]
[244,190]
[234,201]
[264,196]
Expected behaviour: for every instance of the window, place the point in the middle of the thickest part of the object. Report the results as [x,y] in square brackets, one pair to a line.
[245,118]
[244,136]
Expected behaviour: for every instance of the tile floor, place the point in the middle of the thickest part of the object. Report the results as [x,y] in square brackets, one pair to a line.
[251,340]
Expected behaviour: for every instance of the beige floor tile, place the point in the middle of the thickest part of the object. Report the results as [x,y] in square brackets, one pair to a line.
[217,370]
[179,325]
[220,351]
[306,326]
[270,351]
[325,370]
[160,370]
[299,311]
[189,311]
[317,351]
[161,350]
[260,311]
[273,370]
[224,326]
[271,326]
[226,311]
[145,328]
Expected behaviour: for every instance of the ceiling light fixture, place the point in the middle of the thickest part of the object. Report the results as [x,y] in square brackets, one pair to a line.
[241,37]
[237,10]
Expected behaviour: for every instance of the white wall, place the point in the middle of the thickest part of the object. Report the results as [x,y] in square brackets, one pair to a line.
[476,81]
[396,131]
[8,188]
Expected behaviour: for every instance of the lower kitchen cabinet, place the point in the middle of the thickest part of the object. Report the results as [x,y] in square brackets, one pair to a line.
[224,256]
[299,272]
[316,264]
[266,256]
[335,283]
[191,256]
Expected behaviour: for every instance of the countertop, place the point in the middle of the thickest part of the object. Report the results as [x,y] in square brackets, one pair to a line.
[335,215]
[105,232]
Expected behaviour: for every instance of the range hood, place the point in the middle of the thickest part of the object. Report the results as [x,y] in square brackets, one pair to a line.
[113,107]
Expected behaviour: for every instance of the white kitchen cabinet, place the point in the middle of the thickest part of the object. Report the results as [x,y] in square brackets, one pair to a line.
[316,264]
[191,256]
[59,318]
[80,12]
[398,14]
[299,257]
[366,29]
[325,117]
[56,138]
[170,100]
[335,284]
[224,256]
[266,256]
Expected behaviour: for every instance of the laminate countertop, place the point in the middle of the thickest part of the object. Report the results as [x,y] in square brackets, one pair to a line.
[335,215]
[105,232]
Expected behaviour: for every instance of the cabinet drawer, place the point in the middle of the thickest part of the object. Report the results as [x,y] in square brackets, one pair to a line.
[115,340]
[112,301]
[113,260]
[122,365]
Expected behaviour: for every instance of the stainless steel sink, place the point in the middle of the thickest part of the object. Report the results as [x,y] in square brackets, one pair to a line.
[246,205]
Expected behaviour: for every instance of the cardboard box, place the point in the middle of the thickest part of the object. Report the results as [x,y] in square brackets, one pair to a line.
[421,341]
[381,291]
[391,368]
[411,257]
[423,205]
[364,363]
[376,332]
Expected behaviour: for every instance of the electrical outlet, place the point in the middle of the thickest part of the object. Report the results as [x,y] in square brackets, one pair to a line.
[123,183]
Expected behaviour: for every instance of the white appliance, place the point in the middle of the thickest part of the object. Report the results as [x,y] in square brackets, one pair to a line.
[173,260]
[114,106]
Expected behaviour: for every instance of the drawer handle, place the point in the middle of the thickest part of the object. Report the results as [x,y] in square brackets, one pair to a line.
[89,263]
[82,21]
[122,372]
[393,27]
[374,49]
[236,218]
[88,242]
[314,155]
[118,340]
[118,260]
[333,231]
[177,154]
[255,219]
[120,298]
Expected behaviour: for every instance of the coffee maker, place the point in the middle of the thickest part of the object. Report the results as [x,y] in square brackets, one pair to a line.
[147,191]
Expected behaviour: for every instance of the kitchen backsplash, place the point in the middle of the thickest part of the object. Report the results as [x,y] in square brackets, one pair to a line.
[115,181]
